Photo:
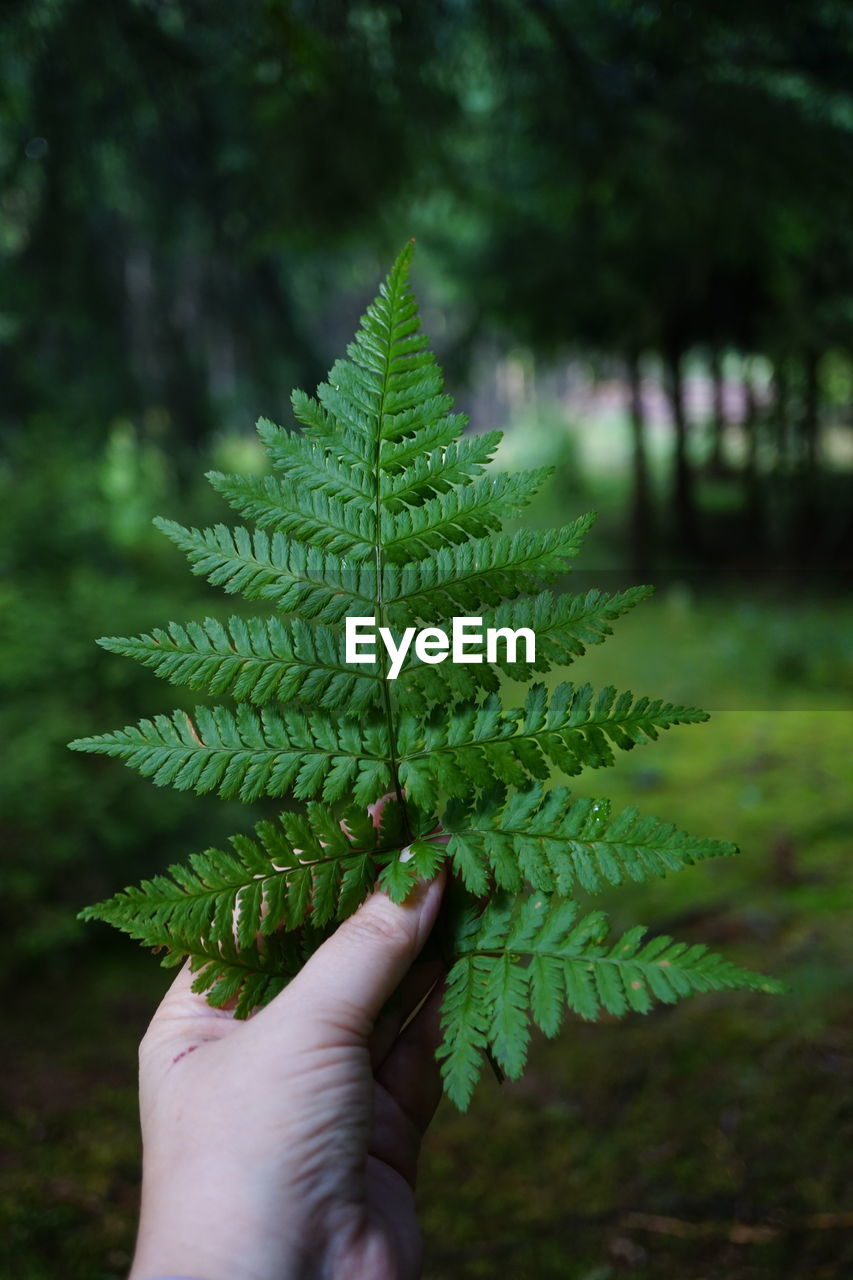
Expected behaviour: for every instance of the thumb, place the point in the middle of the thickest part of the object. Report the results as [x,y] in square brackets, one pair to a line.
[349,978]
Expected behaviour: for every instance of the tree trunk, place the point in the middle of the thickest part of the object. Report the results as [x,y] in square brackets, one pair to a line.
[781,415]
[685,524]
[640,532]
[752,505]
[811,414]
[809,534]
[716,460]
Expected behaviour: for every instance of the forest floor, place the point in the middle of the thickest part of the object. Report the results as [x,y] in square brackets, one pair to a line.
[710,1141]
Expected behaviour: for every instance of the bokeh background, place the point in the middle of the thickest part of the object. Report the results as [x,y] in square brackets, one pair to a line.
[635,255]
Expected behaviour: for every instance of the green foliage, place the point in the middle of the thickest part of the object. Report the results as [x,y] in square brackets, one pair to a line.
[554,843]
[260,660]
[403,526]
[523,958]
[64,827]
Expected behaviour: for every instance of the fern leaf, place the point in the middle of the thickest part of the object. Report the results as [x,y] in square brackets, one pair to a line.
[257,660]
[534,956]
[299,579]
[304,867]
[471,510]
[250,754]
[410,475]
[244,978]
[390,387]
[563,625]
[307,462]
[484,746]
[344,443]
[556,844]
[435,431]
[343,528]
[484,571]
[465,1028]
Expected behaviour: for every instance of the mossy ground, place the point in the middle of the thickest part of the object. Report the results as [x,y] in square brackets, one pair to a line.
[709,1142]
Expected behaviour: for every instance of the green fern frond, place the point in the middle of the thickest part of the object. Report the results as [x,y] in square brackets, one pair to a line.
[474,746]
[436,432]
[381,507]
[245,976]
[411,475]
[469,509]
[256,660]
[307,463]
[485,571]
[531,958]
[557,844]
[303,867]
[248,754]
[564,625]
[299,579]
[344,528]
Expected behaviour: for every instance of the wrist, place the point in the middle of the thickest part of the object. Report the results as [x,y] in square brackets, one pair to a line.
[188,1239]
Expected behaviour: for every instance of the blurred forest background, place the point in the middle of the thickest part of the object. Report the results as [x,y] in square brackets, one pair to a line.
[635,229]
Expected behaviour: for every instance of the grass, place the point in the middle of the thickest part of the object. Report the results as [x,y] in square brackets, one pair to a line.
[706,1141]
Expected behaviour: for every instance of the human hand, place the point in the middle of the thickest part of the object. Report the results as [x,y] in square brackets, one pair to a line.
[287,1145]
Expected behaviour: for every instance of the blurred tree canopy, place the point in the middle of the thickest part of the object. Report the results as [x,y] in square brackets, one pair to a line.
[170,171]
[184,186]
[633,177]
[672,177]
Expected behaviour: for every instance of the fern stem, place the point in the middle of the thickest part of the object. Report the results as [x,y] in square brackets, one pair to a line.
[380,604]
[493,1063]
[393,762]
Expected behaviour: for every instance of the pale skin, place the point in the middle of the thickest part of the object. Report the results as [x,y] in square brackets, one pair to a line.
[286,1145]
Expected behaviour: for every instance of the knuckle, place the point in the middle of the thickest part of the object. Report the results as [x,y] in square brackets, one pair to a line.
[384,925]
